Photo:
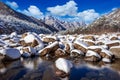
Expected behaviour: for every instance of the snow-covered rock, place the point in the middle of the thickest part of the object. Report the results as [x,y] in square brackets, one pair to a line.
[63,65]
[116,51]
[13,34]
[113,43]
[107,60]
[59,53]
[92,56]
[76,53]
[50,38]
[95,48]
[29,50]
[80,45]
[106,53]
[68,47]
[31,39]
[51,48]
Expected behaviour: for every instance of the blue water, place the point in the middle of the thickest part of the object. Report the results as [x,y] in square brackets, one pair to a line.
[41,69]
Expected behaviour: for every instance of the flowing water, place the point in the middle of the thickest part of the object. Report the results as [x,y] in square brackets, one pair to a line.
[42,69]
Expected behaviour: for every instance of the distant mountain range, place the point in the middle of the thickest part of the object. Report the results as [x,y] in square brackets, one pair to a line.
[11,20]
[107,23]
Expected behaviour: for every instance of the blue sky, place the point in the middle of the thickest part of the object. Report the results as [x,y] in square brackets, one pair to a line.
[79,10]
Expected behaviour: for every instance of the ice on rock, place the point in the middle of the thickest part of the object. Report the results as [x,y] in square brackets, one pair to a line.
[63,64]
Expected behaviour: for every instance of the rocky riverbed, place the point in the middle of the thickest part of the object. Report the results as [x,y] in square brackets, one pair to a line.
[62,51]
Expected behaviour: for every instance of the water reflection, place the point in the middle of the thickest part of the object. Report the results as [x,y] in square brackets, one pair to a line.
[41,69]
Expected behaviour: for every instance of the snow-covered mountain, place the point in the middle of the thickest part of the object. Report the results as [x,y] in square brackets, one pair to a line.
[107,23]
[62,25]
[11,20]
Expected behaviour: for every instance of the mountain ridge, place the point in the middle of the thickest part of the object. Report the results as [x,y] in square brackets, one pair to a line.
[7,12]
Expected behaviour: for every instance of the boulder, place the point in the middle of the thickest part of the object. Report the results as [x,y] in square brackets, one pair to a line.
[59,53]
[99,43]
[76,53]
[47,40]
[64,66]
[92,56]
[49,49]
[90,37]
[116,51]
[31,39]
[96,49]
[106,60]
[29,50]
[80,46]
[114,38]
[89,42]
[68,47]
[11,53]
[113,43]
[106,55]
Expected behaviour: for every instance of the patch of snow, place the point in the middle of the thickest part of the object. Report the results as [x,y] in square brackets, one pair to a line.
[107,52]
[63,64]
[111,42]
[92,53]
[115,47]
[13,34]
[77,51]
[53,44]
[83,44]
[106,60]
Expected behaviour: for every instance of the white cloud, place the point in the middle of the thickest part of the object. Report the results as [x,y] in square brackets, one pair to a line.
[88,15]
[69,9]
[114,9]
[33,11]
[13,4]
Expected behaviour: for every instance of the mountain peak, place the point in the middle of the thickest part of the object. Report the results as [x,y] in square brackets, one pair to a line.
[6,10]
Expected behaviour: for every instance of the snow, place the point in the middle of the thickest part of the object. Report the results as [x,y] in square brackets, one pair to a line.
[70,45]
[92,53]
[81,43]
[13,34]
[2,43]
[111,42]
[15,39]
[29,38]
[61,45]
[53,44]
[70,38]
[94,47]
[51,36]
[63,64]
[77,51]
[115,47]
[106,60]
[107,52]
